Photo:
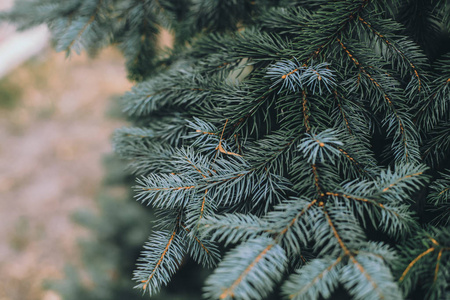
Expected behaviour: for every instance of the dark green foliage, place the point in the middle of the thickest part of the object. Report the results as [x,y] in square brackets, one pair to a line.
[430,250]
[307,134]
[438,199]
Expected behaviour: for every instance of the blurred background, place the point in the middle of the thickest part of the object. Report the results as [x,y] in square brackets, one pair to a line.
[56,122]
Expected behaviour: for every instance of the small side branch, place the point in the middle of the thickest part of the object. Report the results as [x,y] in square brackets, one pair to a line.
[317,278]
[229,292]
[387,42]
[336,234]
[426,252]
[400,179]
[305,112]
[436,270]
[350,255]
[197,240]
[296,218]
[146,282]
[316,179]
[352,160]
[177,188]
[411,264]
[385,95]
[195,167]
[90,21]
[366,200]
[220,147]
[347,123]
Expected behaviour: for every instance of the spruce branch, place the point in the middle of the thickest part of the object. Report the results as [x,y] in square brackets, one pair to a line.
[438,199]
[233,228]
[405,51]
[318,278]
[83,24]
[404,135]
[366,276]
[295,132]
[203,252]
[422,258]
[249,271]
[160,259]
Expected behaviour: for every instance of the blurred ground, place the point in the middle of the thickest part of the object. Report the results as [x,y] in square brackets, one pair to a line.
[53,134]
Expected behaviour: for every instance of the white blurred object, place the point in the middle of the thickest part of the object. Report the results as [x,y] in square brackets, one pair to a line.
[6,31]
[18,47]
[6,4]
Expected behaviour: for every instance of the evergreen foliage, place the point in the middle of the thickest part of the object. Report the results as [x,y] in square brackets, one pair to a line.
[311,136]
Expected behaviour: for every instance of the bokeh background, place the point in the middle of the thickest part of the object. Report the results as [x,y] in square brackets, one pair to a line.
[54,131]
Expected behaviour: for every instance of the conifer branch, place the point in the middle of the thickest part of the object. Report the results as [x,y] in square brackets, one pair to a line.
[158,263]
[220,147]
[435,105]
[268,127]
[84,28]
[444,190]
[249,276]
[196,239]
[335,233]
[315,279]
[339,28]
[295,219]
[436,247]
[396,49]
[175,188]
[365,200]
[80,33]
[202,251]
[305,112]
[348,253]
[344,117]
[385,96]
[202,209]
[429,250]
[316,179]
[437,264]
[160,259]
[352,160]
[398,180]
[232,228]
[197,169]
[229,292]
